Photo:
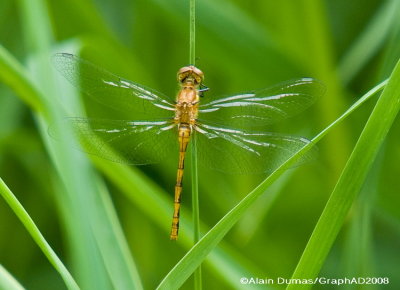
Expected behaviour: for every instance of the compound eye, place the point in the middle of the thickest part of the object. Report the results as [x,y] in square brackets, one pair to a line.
[199,75]
[183,73]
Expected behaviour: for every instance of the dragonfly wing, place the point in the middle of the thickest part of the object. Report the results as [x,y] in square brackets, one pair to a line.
[263,106]
[111,90]
[239,152]
[131,142]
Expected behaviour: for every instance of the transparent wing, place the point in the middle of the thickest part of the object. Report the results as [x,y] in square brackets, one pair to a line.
[263,106]
[132,142]
[240,152]
[111,90]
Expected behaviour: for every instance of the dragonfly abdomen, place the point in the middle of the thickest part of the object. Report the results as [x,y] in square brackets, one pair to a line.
[184,132]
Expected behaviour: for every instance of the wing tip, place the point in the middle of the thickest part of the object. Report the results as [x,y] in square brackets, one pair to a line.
[315,82]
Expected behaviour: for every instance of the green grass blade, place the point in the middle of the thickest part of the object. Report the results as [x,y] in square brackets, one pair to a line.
[192,33]
[358,254]
[182,270]
[351,180]
[7,281]
[36,235]
[194,172]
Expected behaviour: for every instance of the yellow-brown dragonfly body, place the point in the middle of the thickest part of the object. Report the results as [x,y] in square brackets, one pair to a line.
[187,104]
[152,124]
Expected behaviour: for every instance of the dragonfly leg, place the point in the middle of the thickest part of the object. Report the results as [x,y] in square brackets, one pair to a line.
[203,89]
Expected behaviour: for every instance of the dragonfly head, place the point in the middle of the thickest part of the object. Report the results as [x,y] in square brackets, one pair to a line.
[190,74]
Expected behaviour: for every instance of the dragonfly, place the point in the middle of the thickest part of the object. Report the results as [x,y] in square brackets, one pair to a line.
[159,125]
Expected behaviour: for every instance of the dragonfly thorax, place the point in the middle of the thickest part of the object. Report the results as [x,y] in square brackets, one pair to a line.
[186,113]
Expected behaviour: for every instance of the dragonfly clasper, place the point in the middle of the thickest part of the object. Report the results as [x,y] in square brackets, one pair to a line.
[225,129]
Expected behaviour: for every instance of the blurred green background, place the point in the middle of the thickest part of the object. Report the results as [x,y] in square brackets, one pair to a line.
[240,45]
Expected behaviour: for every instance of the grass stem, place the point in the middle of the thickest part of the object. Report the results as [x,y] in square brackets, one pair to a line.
[192,33]
[195,187]
[195,208]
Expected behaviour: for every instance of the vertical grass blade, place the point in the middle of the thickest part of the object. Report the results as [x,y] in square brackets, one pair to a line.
[350,182]
[195,209]
[192,33]
[195,183]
